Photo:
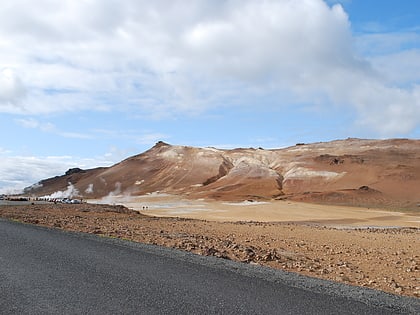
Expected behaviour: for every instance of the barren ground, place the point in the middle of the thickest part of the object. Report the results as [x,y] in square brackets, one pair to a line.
[381,258]
[165,205]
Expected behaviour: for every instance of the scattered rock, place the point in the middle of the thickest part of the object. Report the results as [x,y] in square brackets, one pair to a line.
[361,257]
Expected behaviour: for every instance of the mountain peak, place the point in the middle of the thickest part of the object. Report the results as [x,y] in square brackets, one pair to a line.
[161,144]
[320,172]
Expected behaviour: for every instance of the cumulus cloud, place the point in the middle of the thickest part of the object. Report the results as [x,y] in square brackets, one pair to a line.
[12,90]
[390,110]
[172,56]
[18,172]
[284,39]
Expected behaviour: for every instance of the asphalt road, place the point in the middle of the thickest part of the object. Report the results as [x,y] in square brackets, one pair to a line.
[47,271]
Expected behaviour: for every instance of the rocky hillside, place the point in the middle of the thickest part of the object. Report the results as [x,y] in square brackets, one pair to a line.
[352,171]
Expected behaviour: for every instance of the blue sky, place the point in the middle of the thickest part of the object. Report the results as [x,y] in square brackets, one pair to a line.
[86,84]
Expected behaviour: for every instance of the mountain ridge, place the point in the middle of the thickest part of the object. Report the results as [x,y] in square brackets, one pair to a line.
[353,171]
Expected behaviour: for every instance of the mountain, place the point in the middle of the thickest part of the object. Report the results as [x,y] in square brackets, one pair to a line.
[383,173]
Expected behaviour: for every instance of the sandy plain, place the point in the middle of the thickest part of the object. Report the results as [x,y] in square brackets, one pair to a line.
[165,205]
[363,247]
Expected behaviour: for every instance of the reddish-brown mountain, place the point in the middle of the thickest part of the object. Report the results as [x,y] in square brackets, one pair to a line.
[384,173]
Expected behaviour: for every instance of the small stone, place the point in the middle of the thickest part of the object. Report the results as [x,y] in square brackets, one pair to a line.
[345,278]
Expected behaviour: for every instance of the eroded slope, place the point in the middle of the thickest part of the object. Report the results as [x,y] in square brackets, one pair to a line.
[352,171]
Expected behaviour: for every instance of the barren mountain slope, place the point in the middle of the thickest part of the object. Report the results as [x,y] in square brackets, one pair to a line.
[352,171]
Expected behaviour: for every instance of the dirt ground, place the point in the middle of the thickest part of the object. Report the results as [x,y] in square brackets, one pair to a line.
[381,258]
[165,205]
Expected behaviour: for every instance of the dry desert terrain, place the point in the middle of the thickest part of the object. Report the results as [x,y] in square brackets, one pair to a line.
[380,257]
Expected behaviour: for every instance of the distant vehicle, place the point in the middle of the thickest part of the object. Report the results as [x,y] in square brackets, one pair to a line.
[18,199]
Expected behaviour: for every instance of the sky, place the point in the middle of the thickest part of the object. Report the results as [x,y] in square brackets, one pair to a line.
[89,83]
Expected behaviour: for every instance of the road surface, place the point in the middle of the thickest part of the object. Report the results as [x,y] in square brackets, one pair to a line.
[47,271]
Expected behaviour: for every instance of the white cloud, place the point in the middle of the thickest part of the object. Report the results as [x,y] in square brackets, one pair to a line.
[51,128]
[392,111]
[35,124]
[12,91]
[146,137]
[386,43]
[400,68]
[4,151]
[266,39]
[18,172]
[166,57]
